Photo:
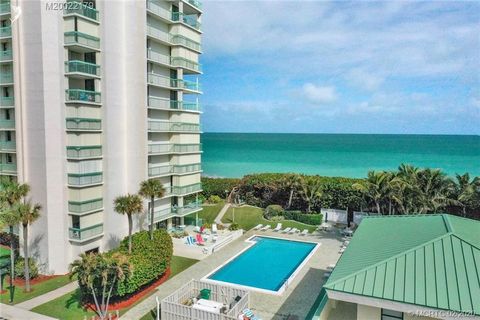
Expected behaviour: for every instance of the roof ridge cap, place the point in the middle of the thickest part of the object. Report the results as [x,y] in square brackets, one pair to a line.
[327,285]
[464,240]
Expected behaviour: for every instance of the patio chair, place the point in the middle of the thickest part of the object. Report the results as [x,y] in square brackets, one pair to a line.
[258,226]
[286,230]
[278,227]
[214,238]
[214,228]
[190,240]
[304,232]
[266,227]
[293,231]
[199,239]
[342,250]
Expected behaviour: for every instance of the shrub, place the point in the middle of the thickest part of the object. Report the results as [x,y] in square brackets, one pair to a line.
[214,199]
[313,219]
[218,186]
[273,210]
[19,268]
[149,259]
[277,218]
[234,226]
[207,225]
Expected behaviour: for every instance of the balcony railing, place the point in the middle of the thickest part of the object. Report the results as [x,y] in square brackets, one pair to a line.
[85,206]
[82,179]
[184,41]
[162,103]
[158,34]
[7,124]
[82,67]
[168,126]
[7,101]
[4,7]
[163,81]
[186,63]
[158,57]
[190,19]
[79,152]
[84,124]
[173,169]
[6,77]
[159,10]
[195,3]
[5,32]
[155,148]
[81,234]
[80,95]
[188,208]
[8,145]
[83,9]
[6,55]
[82,39]
[182,190]
[8,167]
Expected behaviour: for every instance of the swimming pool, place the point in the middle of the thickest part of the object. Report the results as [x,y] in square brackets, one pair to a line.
[267,265]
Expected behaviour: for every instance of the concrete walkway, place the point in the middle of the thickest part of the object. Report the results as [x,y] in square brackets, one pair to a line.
[44,298]
[218,219]
[9,312]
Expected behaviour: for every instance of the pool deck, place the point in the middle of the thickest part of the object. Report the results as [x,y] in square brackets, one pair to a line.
[298,297]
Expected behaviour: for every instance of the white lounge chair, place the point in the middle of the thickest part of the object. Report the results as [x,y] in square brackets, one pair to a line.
[304,232]
[341,250]
[286,230]
[266,227]
[214,228]
[258,226]
[278,227]
[293,231]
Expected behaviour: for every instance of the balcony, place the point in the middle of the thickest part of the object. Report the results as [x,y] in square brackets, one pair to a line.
[174,169]
[171,83]
[4,8]
[84,152]
[82,96]
[159,10]
[161,103]
[7,124]
[195,3]
[7,102]
[167,126]
[158,34]
[82,41]
[80,207]
[187,209]
[186,64]
[75,7]
[8,168]
[82,67]
[8,146]
[6,78]
[84,179]
[158,57]
[83,234]
[190,20]
[5,32]
[84,124]
[186,42]
[6,55]
[172,39]
[184,190]
[165,148]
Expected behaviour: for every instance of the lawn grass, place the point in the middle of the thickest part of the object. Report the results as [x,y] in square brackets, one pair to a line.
[37,289]
[67,307]
[248,217]
[209,212]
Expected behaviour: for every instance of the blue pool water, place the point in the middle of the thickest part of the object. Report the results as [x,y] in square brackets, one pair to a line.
[265,265]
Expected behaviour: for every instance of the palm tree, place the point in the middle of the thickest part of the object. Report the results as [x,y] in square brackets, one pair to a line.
[99,273]
[292,182]
[467,191]
[11,219]
[12,192]
[311,190]
[374,188]
[129,204]
[27,213]
[151,189]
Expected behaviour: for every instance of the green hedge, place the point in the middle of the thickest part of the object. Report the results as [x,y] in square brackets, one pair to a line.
[150,259]
[313,219]
[218,186]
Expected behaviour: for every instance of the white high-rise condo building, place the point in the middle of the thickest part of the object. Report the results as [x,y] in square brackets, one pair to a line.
[95,98]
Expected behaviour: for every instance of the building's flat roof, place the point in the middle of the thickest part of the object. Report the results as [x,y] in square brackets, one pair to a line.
[426,260]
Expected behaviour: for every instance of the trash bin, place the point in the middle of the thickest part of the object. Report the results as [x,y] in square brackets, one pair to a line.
[205,294]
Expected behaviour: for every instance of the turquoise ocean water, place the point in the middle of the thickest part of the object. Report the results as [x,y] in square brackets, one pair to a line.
[345,155]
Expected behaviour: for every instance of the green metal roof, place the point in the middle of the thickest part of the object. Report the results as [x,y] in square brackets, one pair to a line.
[426,260]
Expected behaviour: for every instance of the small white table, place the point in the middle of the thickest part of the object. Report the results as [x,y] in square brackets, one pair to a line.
[208,305]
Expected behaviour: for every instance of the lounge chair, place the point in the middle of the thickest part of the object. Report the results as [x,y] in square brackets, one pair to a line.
[190,240]
[278,227]
[258,226]
[293,231]
[266,227]
[304,232]
[341,250]
[286,230]
[214,228]
[214,238]
[199,239]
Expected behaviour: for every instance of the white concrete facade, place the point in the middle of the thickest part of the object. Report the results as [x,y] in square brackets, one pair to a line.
[97,103]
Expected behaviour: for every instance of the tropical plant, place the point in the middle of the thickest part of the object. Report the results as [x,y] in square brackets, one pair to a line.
[27,214]
[32,268]
[467,192]
[151,189]
[129,204]
[100,273]
[374,188]
[292,182]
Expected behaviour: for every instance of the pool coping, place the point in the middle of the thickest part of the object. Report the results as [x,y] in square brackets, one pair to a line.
[284,286]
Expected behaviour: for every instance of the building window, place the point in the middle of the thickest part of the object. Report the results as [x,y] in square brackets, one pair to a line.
[76,222]
[391,315]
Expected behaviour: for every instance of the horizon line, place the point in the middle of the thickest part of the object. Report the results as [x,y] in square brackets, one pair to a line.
[346,133]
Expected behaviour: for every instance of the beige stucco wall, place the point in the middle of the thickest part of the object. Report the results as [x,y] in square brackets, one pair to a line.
[368,313]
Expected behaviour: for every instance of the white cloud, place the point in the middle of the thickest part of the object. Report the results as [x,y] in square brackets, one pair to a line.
[319,94]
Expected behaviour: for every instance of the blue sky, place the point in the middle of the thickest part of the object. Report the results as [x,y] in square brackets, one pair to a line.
[341,67]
